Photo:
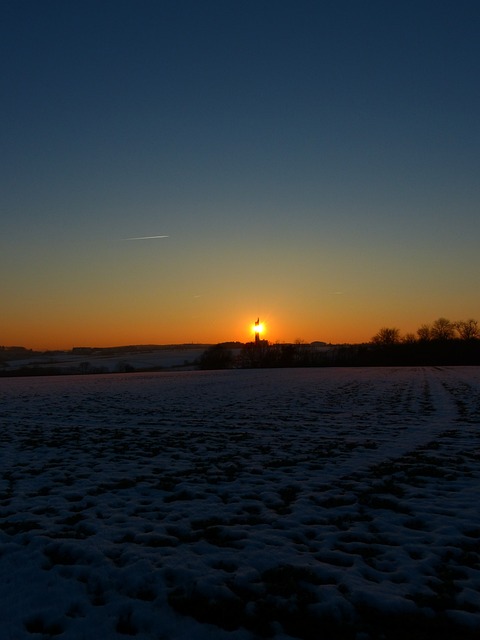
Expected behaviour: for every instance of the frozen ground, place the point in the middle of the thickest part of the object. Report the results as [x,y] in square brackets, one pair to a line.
[319,503]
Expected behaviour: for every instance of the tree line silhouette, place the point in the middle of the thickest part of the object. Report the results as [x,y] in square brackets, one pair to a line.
[440,330]
[442,342]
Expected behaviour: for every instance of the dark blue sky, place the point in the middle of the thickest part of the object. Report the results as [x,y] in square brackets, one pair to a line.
[312,162]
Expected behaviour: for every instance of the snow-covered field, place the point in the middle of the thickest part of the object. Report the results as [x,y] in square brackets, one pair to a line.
[319,503]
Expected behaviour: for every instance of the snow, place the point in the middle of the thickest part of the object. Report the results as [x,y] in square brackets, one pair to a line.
[310,503]
[107,360]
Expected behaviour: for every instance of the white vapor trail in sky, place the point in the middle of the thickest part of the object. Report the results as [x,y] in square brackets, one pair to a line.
[146,238]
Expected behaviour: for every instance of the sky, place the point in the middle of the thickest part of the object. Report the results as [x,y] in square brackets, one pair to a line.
[312,163]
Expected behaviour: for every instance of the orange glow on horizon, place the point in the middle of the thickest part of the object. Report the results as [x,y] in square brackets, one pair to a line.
[87,326]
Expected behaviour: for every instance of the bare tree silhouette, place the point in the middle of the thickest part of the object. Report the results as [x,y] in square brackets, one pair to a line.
[424,332]
[443,329]
[467,329]
[387,335]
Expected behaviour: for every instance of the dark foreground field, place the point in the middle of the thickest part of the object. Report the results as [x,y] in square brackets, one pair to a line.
[300,503]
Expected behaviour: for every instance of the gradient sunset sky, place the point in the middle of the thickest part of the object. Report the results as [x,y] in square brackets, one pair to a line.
[313,163]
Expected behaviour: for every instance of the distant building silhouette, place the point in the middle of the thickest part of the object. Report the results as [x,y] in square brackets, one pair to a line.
[257,331]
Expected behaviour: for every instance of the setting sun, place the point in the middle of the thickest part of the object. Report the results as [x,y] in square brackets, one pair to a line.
[258,328]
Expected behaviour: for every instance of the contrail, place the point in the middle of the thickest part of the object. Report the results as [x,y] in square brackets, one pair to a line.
[146,238]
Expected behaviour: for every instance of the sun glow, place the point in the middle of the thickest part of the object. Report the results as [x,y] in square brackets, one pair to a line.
[258,328]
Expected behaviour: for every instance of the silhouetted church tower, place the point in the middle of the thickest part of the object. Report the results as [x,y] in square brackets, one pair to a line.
[257,331]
